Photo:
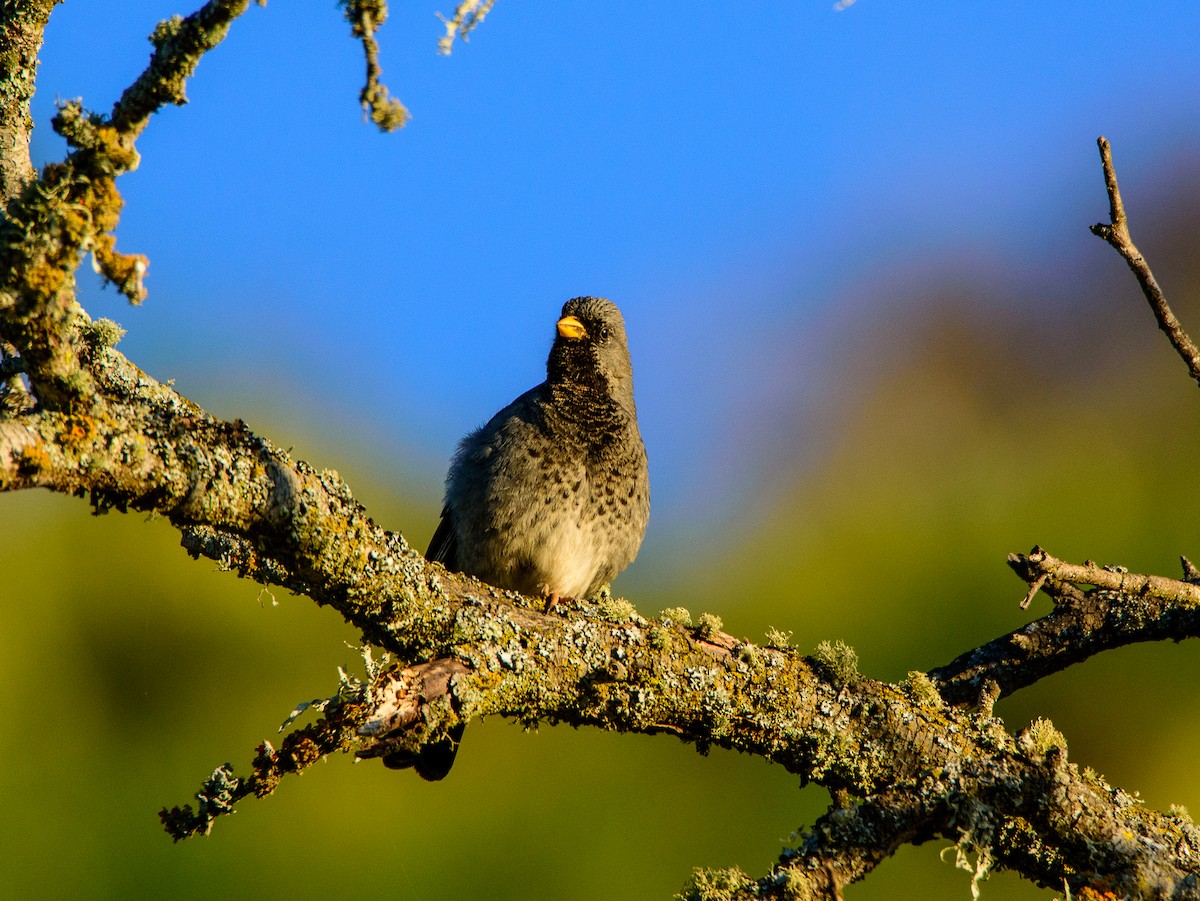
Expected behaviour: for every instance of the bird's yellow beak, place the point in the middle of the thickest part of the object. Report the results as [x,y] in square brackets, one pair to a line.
[570,327]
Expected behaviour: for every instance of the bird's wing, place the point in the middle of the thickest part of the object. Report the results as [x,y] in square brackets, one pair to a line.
[443,546]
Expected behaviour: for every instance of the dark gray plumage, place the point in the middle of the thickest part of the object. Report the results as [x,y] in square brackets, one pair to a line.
[551,497]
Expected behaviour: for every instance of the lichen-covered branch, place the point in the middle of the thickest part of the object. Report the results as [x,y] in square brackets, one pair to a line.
[1015,804]
[143,446]
[299,750]
[468,15]
[1033,812]
[1116,233]
[74,208]
[179,44]
[365,18]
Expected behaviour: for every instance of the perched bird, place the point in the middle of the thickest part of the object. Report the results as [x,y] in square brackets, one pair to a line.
[551,497]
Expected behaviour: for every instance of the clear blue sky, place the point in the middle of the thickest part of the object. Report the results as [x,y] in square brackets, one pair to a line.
[730,174]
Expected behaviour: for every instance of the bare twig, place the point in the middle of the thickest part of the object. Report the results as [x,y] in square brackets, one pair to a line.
[1034,587]
[1170,591]
[1126,608]
[1116,233]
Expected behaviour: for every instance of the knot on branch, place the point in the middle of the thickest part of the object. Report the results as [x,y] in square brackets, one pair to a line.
[416,715]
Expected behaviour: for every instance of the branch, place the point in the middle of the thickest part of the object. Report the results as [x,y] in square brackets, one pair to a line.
[179,43]
[1116,233]
[74,209]
[468,15]
[1126,608]
[21,30]
[1017,805]
[143,446]
[365,18]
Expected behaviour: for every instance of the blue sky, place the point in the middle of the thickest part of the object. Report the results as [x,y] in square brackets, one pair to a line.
[731,175]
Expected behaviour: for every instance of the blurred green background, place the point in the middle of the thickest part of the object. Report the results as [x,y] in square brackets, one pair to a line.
[876,351]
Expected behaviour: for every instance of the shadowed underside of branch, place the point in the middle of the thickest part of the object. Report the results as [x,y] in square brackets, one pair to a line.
[907,763]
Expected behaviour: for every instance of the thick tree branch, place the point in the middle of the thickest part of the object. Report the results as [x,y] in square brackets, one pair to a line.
[1116,233]
[22,24]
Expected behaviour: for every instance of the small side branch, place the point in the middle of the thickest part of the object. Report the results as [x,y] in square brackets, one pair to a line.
[1122,608]
[365,18]
[336,731]
[1042,566]
[468,15]
[1116,233]
[179,44]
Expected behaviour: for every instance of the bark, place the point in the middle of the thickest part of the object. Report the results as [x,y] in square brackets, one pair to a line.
[21,28]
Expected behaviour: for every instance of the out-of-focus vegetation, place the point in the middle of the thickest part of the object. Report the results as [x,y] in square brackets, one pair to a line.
[977,411]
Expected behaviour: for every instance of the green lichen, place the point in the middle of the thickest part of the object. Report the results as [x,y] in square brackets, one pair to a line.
[1040,737]
[715,885]
[386,112]
[778,639]
[678,615]
[840,659]
[166,31]
[1180,813]
[103,333]
[708,625]
[616,610]
[922,689]
[980,868]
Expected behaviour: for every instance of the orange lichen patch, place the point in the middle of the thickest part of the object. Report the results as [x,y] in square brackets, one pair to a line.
[125,271]
[303,751]
[32,460]
[118,149]
[78,430]
[46,280]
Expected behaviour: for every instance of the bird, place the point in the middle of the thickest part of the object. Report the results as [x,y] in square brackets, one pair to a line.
[551,496]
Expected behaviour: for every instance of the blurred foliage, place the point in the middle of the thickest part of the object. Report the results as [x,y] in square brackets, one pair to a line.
[975,412]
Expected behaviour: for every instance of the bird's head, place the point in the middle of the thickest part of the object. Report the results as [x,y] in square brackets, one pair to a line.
[590,348]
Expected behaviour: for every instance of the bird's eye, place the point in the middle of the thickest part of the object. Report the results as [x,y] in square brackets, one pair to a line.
[604,333]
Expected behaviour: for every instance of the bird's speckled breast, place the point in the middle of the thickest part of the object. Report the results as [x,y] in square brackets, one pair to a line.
[548,507]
